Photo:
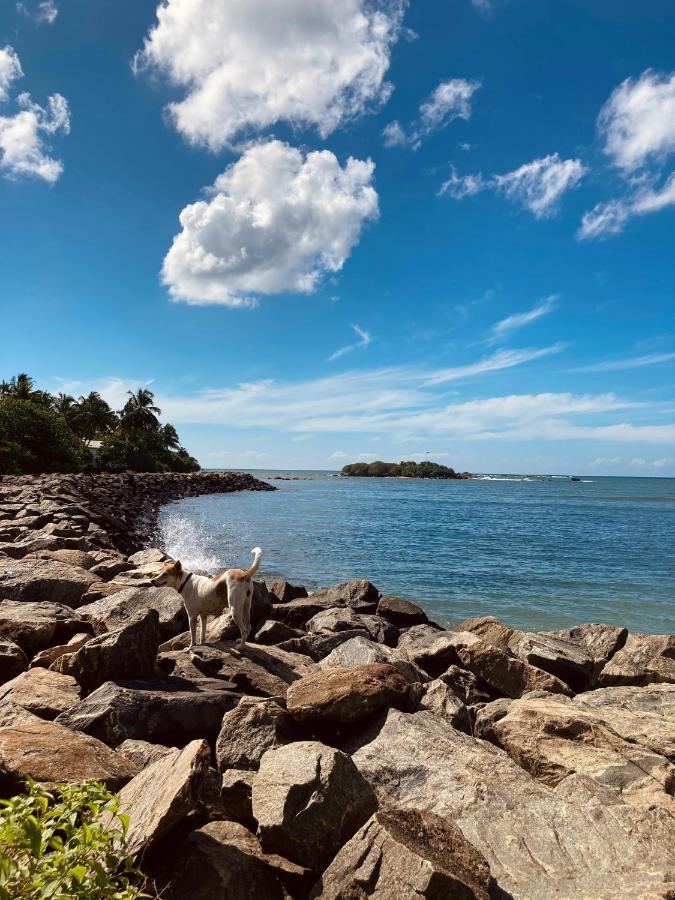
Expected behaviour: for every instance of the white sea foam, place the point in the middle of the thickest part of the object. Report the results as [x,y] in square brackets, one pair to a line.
[183,540]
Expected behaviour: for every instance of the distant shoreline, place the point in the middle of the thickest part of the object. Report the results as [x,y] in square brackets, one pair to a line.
[404,469]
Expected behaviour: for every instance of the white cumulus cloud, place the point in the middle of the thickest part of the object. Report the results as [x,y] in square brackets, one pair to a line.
[537,185]
[450,100]
[274,221]
[244,66]
[638,120]
[23,151]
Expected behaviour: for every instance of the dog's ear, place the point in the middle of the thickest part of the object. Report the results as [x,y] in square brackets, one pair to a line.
[178,567]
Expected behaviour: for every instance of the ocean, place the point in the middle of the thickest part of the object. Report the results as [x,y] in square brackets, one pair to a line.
[539,552]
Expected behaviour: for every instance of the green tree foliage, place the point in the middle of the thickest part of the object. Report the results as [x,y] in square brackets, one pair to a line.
[43,433]
[404,469]
[36,439]
[66,842]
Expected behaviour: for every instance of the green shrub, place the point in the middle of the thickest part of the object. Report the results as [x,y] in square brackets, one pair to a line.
[35,439]
[53,844]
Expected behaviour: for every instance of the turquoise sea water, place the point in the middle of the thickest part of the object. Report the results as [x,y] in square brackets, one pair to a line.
[537,552]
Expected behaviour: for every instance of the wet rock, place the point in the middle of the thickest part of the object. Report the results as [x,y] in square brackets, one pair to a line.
[45,694]
[400,612]
[39,580]
[406,853]
[12,660]
[127,652]
[272,632]
[644,659]
[360,651]
[169,711]
[235,795]
[539,844]
[46,751]
[223,859]
[118,609]
[641,715]
[253,727]
[284,591]
[345,696]
[163,794]
[308,800]
[552,739]
[45,658]
[438,697]
[142,753]
[34,626]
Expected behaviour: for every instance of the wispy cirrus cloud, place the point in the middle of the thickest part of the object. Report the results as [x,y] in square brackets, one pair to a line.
[496,362]
[631,362]
[365,339]
[537,186]
[450,100]
[512,323]
[45,12]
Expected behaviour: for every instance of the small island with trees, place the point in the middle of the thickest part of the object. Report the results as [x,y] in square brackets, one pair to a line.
[404,469]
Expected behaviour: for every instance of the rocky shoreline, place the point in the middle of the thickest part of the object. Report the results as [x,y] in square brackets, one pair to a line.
[352,749]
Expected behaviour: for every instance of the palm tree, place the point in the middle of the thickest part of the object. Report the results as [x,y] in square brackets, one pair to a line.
[93,416]
[170,437]
[139,412]
[65,406]
[19,386]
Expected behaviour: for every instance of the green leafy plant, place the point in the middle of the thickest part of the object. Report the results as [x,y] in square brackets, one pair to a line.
[64,842]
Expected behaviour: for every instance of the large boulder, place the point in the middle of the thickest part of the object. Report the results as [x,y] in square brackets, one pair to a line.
[12,660]
[235,796]
[360,651]
[45,658]
[162,711]
[253,727]
[142,753]
[44,693]
[318,646]
[71,557]
[406,853]
[284,591]
[641,715]
[35,626]
[272,632]
[308,800]
[344,696]
[539,842]
[46,751]
[163,794]
[127,652]
[600,641]
[119,608]
[552,739]
[439,698]
[39,580]
[643,659]
[489,629]
[224,860]
[296,613]
[401,613]
[334,620]
[358,593]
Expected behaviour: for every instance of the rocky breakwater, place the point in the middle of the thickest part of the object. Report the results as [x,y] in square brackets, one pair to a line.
[351,749]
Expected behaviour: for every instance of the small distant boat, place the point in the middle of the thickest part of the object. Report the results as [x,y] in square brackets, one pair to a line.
[574,478]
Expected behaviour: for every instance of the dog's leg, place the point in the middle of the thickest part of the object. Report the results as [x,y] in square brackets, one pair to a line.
[193,631]
[240,606]
[203,619]
[246,613]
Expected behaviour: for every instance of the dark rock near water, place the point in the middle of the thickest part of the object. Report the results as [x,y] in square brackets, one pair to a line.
[400,612]
[272,632]
[284,591]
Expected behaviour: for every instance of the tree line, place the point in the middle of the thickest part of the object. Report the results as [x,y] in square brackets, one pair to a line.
[43,432]
[404,469]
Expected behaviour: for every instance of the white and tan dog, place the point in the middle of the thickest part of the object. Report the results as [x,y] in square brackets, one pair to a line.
[205,596]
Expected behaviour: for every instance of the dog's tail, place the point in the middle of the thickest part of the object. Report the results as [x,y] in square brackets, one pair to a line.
[253,568]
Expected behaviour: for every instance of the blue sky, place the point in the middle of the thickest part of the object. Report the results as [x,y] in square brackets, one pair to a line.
[325,232]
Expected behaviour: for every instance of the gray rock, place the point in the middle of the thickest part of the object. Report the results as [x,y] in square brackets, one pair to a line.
[46,751]
[563,658]
[142,753]
[538,843]
[465,685]
[71,557]
[165,711]
[148,557]
[12,660]
[272,632]
[438,697]
[118,609]
[308,800]
[39,580]
[45,694]
[109,568]
[406,853]
[253,727]
[34,626]
[360,651]
[223,859]
[644,659]
[284,591]
[318,646]
[296,613]
[358,593]
[127,652]
[336,620]
[400,612]
[163,794]
[600,641]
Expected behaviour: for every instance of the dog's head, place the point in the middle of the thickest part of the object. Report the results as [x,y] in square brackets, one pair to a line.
[170,576]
